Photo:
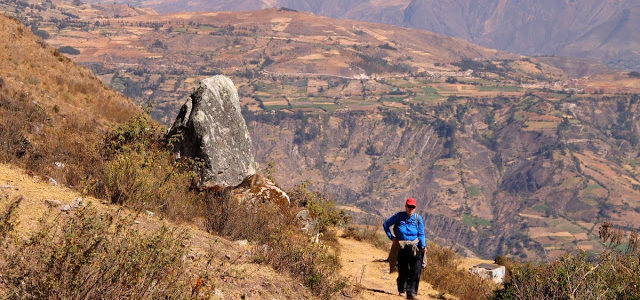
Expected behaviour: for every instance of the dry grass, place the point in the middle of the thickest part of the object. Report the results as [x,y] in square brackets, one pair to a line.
[368,234]
[51,110]
[444,272]
[89,254]
[283,245]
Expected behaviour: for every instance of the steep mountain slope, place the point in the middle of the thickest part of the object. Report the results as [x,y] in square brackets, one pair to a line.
[601,30]
[51,110]
[530,176]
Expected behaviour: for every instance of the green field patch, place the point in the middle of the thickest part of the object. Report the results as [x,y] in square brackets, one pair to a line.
[571,228]
[328,107]
[554,222]
[391,99]
[401,83]
[541,207]
[473,191]
[429,94]
[207,28]
[275,107]
[506,88]
[518,116]
[540,125]
[473,221]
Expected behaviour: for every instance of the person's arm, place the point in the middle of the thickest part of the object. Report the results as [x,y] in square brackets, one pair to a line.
[421,240]
[387,224]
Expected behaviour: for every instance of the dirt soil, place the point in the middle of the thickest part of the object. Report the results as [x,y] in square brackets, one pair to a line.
[364,264]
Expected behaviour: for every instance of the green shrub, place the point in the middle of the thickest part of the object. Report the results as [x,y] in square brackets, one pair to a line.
[139,171]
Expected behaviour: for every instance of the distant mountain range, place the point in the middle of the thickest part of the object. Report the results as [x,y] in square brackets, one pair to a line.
[600,30]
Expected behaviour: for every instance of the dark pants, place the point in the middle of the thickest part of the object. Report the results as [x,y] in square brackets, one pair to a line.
[409,268]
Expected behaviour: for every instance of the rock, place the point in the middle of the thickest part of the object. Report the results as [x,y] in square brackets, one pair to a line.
[52,203]
[136,222]
[227,256]
[218,293]
[65,208]
[210,127]
[77,202]
[58,165]
[53,181]
[5,187]
[307,222]
[149,213]
[260,189]
[242,243]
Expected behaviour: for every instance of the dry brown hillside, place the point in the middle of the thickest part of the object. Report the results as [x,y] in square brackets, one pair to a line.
[51,110]
[234,273]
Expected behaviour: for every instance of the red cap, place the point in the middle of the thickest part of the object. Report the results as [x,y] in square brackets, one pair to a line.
[411,201]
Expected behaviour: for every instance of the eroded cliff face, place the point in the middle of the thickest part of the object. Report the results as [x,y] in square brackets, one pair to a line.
[497,176]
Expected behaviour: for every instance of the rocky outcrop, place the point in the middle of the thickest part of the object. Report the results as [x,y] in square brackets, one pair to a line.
[210,127]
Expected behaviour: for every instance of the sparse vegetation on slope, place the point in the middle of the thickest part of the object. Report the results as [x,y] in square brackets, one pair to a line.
[89,254]
[612,274]
[51,111]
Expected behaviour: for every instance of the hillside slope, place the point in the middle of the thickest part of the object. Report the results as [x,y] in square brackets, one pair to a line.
[236,274]
[51,110]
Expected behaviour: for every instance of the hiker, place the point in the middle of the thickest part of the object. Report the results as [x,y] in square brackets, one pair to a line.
[409,244]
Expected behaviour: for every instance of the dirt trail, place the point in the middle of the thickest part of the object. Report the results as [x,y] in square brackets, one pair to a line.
[364,264]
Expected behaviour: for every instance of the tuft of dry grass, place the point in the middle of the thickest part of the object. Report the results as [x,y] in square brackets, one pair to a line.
[281,242]
[89,254]
[444,273]
[368,234]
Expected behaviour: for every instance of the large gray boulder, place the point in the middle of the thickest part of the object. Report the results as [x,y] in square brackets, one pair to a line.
[210,127]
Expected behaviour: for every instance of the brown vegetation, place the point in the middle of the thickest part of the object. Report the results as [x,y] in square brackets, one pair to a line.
[612,274]
[89,254]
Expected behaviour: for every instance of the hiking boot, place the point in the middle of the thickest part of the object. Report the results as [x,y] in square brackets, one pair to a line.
[411,296]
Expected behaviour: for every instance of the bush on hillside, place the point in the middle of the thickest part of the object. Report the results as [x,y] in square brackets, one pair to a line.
[281,243]
[444,273]
[367,234]
[92,255]
[612,274]
[139,171]
[69,50]
[8,216]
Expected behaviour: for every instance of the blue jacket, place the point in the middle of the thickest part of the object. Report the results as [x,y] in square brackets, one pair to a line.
[407,229]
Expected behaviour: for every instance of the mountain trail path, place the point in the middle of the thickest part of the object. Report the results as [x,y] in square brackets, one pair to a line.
[364,264]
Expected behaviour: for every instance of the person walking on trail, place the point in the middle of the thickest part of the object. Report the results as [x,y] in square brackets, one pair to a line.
[409,242]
